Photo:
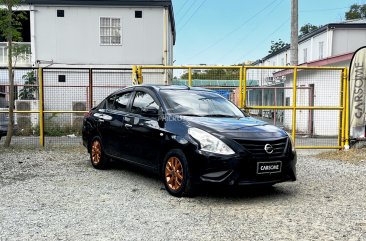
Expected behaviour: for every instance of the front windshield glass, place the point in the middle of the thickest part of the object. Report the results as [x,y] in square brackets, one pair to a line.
[199,103]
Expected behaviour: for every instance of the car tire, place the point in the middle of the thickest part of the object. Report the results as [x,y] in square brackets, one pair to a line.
[97,157]
[176,175]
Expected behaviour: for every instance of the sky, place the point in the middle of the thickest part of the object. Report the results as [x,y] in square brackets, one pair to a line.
[226,32]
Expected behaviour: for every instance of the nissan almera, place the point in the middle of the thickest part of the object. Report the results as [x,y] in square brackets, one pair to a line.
[187,136]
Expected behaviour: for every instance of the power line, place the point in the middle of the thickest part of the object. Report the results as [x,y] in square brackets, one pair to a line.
[265,40]
[193,14]
[246,36]
[188,9]
[182,7]
[233,31]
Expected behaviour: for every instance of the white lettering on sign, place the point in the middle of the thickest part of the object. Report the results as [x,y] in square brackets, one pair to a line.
[270,167]
[358,91]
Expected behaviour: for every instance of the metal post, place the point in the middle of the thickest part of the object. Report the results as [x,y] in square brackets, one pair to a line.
[90,89]
[342,124]
[346,91]
[294,106]
[241,88]
[244,91]
[190,77]
[139,75]
[41,107]
[275,103]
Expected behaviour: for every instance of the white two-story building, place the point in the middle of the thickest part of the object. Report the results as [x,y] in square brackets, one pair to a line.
[68,37]
[330,45]
[112,33]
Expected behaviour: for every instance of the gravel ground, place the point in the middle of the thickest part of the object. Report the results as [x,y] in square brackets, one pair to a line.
[57,195]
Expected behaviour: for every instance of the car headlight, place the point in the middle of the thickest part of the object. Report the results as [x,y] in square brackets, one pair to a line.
[209,142]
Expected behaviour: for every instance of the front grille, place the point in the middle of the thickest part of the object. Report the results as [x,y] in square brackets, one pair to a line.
[256,148]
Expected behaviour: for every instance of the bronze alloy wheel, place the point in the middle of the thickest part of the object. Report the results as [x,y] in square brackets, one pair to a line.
[174,173]
[96,152]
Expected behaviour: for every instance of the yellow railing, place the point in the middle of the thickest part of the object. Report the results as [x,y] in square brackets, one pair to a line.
[343,137]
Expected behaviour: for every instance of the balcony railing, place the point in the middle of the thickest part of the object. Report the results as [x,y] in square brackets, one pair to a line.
[21,53]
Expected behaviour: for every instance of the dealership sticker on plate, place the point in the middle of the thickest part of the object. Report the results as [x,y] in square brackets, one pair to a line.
[269,167]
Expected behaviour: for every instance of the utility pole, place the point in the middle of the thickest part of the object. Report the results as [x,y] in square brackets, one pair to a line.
[294,33]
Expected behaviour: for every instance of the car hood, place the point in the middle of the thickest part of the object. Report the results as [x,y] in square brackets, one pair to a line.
[237,128]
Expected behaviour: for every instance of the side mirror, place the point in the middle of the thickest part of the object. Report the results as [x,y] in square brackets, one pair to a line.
[150,112]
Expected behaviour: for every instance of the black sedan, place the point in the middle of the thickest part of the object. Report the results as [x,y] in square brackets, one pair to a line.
[187,136]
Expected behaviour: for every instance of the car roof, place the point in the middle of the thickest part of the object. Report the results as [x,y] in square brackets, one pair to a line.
[172,87]
[163,87]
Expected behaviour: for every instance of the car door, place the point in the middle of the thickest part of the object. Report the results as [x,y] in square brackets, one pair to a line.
[111,120]
[144,134]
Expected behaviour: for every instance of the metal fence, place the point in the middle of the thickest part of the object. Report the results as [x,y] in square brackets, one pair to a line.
[308,102]
[50,103]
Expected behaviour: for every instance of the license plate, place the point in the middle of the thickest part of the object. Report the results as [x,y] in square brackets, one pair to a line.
[269,167]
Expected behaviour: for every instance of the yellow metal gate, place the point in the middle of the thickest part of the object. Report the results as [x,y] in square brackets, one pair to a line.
[308,102]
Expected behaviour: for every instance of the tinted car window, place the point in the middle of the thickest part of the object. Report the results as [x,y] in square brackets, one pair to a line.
[110,102]
[199,103]
[119,101]
[122,101]
[143,101]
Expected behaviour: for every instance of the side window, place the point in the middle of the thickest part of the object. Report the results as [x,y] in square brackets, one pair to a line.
[110,102]
[121,101]
[143,101]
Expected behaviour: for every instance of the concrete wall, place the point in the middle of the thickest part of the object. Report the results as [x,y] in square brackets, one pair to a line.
[75,38]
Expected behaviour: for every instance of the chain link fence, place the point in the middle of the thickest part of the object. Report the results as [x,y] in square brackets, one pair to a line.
[66,95]
[315,120]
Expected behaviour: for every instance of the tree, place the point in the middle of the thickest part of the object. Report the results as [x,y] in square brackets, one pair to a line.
[10,29]
[307,28]
[29,89]
[356,11]
[276,46]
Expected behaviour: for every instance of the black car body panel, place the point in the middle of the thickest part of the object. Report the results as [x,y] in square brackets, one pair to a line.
[144,138]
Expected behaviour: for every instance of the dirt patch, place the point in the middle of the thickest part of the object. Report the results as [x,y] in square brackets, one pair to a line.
[352,155]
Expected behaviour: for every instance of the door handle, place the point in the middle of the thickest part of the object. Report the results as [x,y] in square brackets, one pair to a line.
[128,126]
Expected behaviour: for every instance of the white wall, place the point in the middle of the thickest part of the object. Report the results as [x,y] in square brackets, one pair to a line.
[312,46]
[75,38]
[348,40]
[326,93]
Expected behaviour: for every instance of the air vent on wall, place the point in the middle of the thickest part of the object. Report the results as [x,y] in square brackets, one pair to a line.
[138,14]
[60,13]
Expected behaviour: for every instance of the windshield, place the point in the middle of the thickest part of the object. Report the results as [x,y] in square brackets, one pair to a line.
[199,103]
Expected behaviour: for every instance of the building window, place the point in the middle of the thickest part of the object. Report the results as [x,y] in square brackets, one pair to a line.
[62,78]
[110,31]
[138,14]
[321,49]
[305,55]
[60,13]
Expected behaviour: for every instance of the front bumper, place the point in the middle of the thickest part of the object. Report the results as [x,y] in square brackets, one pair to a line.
[240,169]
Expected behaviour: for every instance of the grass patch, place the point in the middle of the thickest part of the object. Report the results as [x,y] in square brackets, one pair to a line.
[352,155]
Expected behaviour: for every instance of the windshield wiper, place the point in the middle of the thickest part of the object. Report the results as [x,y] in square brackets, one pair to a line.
[222,115]
[187,114]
